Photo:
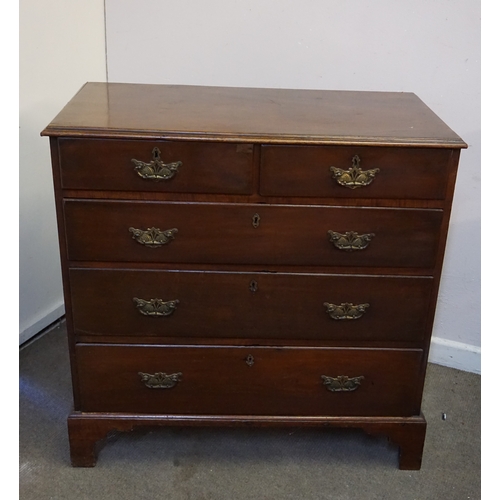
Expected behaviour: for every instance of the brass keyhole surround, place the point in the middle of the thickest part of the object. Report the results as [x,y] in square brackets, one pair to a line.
[253,286]
[249,360]
[256,220]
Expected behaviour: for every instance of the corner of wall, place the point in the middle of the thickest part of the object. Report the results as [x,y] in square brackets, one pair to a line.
[457,355]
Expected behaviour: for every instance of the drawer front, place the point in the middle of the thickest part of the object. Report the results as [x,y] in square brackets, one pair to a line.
[401,173]
[248,380]
[252,234]
[152,166]
[248,305]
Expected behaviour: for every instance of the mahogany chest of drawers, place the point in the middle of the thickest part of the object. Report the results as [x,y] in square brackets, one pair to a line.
[250,257]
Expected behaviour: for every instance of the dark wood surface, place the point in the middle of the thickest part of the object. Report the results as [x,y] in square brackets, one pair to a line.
[404,173]
[254,115]
[248,152]
[88,431]
[218,380]
[224,234]
[284,306]
[107,164]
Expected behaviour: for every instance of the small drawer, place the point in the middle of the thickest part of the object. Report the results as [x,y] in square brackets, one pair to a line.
[251,234]
[165,166]
[194,304]
[249,380]
[354,172]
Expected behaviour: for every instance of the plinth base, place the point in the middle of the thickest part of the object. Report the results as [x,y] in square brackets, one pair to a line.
[88,431]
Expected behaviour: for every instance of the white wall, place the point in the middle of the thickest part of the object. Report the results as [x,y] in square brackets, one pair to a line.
[62,45]
[430,47]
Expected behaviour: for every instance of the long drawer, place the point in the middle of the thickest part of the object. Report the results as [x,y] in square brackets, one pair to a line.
[248,380]
[251,234]
[248,305]
[165,166]
[360,172]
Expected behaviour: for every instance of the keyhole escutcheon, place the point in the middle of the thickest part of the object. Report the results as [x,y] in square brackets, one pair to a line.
[256,220]
[253,286]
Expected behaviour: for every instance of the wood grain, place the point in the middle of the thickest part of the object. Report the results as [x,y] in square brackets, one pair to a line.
[224,234]
[283,306]
[217,380]
[407,173]
[248,156]
[107,164]
[251,115]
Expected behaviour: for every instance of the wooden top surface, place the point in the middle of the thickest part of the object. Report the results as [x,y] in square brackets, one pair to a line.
[251,115]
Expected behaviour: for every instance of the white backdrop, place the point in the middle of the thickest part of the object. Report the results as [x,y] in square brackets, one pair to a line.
[61,45]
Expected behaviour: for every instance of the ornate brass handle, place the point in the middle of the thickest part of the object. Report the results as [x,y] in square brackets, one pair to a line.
[346,310]
[350,241]
[156,170]
[156,307]
[342,383]
[160,380]
[152,237]
[354,177]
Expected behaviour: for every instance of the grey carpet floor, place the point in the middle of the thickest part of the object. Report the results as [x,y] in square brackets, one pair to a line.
[246,464]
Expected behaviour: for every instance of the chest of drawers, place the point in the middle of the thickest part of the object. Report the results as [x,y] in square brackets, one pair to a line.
[250,257]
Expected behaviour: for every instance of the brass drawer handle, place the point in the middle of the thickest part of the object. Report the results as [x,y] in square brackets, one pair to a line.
[346,310]
[160,380]
[354,177]
[342,383]
[350,241]
[156,170]
[153,237]
[156,307]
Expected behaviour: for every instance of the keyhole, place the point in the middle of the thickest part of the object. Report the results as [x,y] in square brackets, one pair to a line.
[256,220]
[156,154]
[249,360]
[253,286]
